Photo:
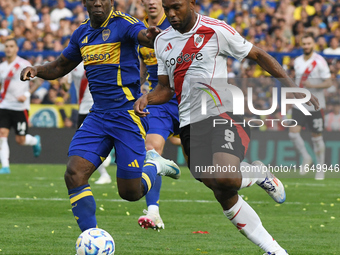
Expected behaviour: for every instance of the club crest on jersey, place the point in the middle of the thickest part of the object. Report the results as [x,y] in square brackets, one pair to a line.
[106,33]
[198,40]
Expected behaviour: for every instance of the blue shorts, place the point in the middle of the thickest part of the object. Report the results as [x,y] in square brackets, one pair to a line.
[101,132]
[163,119]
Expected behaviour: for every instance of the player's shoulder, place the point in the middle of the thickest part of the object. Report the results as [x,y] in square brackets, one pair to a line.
[23,62]
[320,58]
[298,59]
[164,36]
[124,17]
[217,25]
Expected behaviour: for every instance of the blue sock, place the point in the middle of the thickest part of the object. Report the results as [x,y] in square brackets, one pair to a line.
[83,207]
[152,197]
[148,176]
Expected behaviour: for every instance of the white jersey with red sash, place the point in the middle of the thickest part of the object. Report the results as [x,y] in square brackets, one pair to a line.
[84,96]
[315,70]
[11,85]
[200,54]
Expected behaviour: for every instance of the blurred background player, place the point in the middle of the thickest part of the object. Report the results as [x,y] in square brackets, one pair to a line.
[85,102]
[312,72]
[163,119]
[14,105]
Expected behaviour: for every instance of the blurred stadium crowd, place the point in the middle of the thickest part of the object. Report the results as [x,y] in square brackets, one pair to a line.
[43,28]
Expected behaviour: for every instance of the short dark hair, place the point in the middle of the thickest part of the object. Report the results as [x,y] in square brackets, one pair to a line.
[11,39]
[307,35]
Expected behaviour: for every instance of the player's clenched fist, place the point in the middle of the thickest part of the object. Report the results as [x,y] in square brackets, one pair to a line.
[27,73]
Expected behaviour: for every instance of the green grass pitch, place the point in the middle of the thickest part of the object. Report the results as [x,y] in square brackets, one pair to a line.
[36,217]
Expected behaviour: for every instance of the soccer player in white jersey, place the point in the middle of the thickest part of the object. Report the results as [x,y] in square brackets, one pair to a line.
[14,105]
[85,101]
[312,72]
[194,47]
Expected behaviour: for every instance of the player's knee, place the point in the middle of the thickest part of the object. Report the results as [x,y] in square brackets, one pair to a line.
[20,140]
[227,183]
[129,195]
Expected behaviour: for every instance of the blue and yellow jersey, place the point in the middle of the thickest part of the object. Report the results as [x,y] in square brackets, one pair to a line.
[110,59]
[148,55]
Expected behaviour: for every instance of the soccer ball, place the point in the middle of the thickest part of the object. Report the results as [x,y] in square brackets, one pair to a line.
[95,241]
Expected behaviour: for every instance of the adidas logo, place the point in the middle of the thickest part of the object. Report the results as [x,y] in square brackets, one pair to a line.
[85,40]
[134,164]
[240,226]
[228,146]
[168,47]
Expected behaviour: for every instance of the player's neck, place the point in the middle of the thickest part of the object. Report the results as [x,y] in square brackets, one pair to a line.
[190,25]
[11,59]
[308,56]
[155,21]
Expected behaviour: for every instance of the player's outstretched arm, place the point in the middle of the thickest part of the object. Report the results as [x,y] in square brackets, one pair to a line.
[49,71]
[146,37]
[269,64]
[160,95]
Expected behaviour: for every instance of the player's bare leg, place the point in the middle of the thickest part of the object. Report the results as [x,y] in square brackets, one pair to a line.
[295,137]
[319,150]
[4,151]
[29,140]
[225,187]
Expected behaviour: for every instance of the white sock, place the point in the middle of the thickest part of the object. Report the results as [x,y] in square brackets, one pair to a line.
[299,144]
[319,149]
[251,175]
[250,225]
[153,209]
[30,140]
[4,152]
[102,170]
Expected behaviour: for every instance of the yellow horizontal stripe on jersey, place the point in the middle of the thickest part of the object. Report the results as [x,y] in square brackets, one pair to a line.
[149,56]
[107,53]
[136,119]
[80,196]
[126,90]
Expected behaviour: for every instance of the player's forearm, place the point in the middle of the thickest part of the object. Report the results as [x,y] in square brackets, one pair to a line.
[323,85]
[52,70]
[269,64]
[160,95]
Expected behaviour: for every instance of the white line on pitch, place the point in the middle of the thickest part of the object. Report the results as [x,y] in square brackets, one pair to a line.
[165,200]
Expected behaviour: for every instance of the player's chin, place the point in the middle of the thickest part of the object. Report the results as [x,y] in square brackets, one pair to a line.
[176,25]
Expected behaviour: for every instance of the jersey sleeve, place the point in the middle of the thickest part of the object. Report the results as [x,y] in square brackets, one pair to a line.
[231,43]
[72,51]
[161,69]
[130,27]
[325,73]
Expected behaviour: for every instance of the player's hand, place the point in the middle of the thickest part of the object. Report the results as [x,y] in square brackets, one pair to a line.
[22,98]
[27,73]
[313,100]
[152,32]
[140,105]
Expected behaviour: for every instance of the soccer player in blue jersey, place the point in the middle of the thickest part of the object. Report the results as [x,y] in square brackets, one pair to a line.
[163,119]
[107,44]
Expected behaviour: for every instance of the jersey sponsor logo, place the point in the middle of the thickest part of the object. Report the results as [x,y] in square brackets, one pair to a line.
[148,56]
[198,40]
[105,34]
[107,53]
[184,59]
